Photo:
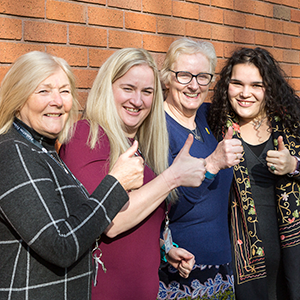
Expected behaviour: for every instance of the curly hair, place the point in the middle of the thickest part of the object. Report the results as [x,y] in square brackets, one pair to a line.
[280,98]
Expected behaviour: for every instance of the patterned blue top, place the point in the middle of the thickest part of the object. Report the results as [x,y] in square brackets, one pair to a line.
[199,221]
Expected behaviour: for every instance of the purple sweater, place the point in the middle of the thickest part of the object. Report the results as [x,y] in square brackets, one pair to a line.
[132,259]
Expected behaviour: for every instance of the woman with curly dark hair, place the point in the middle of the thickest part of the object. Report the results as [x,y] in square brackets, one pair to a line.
[253,96]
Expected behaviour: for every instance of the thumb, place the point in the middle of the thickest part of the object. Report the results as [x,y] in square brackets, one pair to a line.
[187,145]
[280,143]
[229,133]
[132,150]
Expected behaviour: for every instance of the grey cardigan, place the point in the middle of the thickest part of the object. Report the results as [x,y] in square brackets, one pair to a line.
[47,224]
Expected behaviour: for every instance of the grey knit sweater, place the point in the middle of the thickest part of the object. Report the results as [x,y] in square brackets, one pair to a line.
[47,224]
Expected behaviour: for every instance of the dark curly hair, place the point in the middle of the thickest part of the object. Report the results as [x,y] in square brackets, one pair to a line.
[280,98]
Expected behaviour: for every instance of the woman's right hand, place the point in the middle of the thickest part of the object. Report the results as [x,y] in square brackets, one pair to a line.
[129,169]
[187,170]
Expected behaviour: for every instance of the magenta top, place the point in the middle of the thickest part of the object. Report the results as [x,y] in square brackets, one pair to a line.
[132,259]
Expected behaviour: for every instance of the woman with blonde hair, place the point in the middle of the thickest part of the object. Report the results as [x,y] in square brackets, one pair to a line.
[126,104]
[48,221]
[198,220]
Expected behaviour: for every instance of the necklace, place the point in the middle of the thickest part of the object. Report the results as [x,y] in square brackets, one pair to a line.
[196,133]
[257,124]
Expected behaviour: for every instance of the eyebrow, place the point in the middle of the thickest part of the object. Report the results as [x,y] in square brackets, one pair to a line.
[50,86]
[253,82]
[133,86]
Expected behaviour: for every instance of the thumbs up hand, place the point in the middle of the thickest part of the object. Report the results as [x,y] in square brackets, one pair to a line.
[281,162]
[227,154]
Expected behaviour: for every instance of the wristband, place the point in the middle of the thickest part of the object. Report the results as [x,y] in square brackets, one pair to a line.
[163,252]
[209,175]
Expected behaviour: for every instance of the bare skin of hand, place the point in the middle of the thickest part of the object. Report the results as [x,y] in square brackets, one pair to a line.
[182,260]
[281,159]
[188,170]
[129,169]
[227,154]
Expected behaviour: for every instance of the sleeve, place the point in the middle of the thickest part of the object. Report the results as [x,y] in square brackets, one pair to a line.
[40,204]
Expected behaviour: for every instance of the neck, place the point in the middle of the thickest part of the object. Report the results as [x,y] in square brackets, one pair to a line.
[186,120]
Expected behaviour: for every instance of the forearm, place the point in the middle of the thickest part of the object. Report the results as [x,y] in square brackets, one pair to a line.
[142,202]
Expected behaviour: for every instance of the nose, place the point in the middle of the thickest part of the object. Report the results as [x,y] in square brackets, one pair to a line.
[56,98]
[246,92]
[194,84]
[136,99]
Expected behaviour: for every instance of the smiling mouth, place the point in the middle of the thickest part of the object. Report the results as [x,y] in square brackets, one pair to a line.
[135,110]
[192,95]
[53,115]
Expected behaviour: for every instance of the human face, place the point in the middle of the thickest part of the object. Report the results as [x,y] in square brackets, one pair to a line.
[246,92]
[187,98]
[47,109]
[133,94]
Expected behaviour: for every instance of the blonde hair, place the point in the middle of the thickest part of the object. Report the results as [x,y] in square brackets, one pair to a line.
[187,46]
[20,82]
[101,110]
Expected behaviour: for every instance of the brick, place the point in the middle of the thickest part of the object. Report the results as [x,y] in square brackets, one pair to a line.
[273,25]
[161,7]
[170,26]
[276,1]
[159,59]
[223,3]
[295,83]
[105,17]
[24,8]
[45,32]
[264,38]
[296,43]
[206,2]
[75,56]
[244,36]
[3,71]
[85,78]
[125,4]
[122,39]
[263,9]
[64,11]
[281,12]
[295,15]
[198,29]
[222,33]
[185,10]
[82,97]
[234,18]
[138,21]
[290,28]
[282,41]
[291,56]
[11,51]
[10,28]
[255,22]
[87,36]
[291,3]
[244,6]
[211,14]
[98,56]
[94,1]
[218,48]
[295,70]
[286,68]
[157,43]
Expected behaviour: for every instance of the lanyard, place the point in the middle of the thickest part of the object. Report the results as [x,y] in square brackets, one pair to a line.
[28,136]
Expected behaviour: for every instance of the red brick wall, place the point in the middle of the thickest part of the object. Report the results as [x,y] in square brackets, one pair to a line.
[86,32]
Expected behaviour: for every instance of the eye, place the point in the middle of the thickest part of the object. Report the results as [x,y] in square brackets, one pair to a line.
[236,83]
[127,89]
[44,91]
[258,86]
[148,92]
[65,91]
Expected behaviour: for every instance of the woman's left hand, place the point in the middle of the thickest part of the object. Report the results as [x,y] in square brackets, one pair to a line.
[182,260]
[281,162]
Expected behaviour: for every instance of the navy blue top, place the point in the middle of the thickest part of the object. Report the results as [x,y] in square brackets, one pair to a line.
[199,220]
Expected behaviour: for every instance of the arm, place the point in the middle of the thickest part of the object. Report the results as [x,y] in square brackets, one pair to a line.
[185,171]
[41,205]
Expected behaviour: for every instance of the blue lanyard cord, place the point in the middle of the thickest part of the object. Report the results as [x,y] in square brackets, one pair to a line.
[28,136]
